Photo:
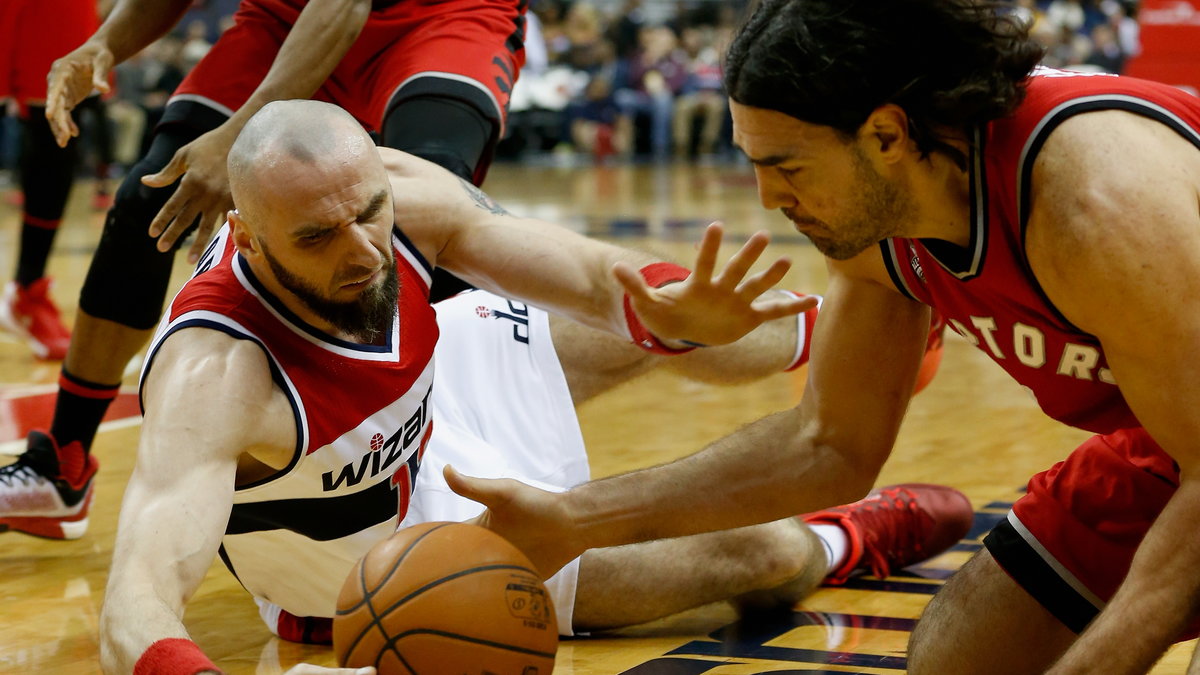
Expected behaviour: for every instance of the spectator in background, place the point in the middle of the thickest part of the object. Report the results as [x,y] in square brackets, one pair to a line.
[702,97]
[655,74]
[1106,53]
[596,123]
[1125,26]
[625,30]
[195,44]
[1066,14]
[126,109]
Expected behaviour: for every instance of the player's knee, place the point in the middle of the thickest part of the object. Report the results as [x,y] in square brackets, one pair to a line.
[787,561]
[127,280]
[449,132]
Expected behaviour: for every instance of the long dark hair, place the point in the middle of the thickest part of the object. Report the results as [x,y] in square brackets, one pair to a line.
[948,63]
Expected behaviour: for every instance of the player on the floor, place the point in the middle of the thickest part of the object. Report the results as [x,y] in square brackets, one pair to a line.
[33,33]
[289,402]
[309,325]
[1052,218]
[433,79]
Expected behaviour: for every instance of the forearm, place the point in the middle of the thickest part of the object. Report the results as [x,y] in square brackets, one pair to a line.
[1159,596]
[133,620]
[763,472]
[134,24]
[321,36]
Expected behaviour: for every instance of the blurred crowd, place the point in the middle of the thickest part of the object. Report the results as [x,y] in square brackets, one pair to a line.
[603,78]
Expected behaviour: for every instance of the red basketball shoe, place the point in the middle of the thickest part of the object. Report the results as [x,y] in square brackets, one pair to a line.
[896,526]
[29,312]
[36,498]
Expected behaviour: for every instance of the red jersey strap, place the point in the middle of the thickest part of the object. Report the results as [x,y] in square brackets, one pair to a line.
[656,275]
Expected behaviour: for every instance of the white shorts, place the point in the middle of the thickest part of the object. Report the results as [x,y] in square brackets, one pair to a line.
[501,409]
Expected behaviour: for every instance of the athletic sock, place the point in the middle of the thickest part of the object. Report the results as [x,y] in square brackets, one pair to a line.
[37,237]
[835,541]
[79,408]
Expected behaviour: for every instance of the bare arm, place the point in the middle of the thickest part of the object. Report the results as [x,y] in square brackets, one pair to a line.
[457,227]
[321,36]
[827,451]
[1115,242]
[132,25]
[206,397]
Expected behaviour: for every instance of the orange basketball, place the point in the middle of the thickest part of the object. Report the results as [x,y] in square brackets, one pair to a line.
[445,598]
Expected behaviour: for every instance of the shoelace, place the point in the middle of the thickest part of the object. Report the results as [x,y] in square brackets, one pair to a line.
[19,472]
[877,520]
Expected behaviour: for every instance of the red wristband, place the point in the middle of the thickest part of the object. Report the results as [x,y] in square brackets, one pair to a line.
[657,275]
[173,656]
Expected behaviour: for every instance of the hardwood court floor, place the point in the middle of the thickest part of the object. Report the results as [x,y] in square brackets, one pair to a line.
[972,428]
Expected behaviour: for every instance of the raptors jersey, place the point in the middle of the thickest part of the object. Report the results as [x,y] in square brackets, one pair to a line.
[362,422]
[987,292]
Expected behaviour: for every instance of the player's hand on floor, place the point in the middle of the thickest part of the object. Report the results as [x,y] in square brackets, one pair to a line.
[535,521]
[70,80]
[203,191]
[306,669]
[713,309]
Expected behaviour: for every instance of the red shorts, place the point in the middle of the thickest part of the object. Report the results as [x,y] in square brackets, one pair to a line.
[466,49]
[33,33]
[1070,540]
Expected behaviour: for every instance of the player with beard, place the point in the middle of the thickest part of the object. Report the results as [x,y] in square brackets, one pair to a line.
[287,390]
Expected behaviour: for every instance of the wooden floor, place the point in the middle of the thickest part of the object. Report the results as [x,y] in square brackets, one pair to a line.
[972,428]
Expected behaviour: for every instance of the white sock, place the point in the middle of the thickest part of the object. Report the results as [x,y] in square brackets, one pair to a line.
[836,543]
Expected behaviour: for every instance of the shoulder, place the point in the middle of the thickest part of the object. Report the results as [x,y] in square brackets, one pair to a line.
[213,381]
[1112,194]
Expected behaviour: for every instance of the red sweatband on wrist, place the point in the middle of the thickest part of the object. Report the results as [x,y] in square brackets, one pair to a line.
[173,656]
[656,275]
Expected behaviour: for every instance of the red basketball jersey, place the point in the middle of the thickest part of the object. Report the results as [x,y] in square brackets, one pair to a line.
[987,291]
[362,419]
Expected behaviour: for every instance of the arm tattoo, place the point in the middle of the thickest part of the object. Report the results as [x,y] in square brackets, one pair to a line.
[482,200]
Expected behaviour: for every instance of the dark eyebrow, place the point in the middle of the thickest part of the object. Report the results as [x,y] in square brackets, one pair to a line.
[770,160]
[373,208]
[368,213]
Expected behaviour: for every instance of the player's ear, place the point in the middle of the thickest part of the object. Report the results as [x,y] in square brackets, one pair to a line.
[243,239]
[886,132]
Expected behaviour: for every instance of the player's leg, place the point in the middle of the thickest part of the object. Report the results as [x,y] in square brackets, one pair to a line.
[124,290]
[47,172]
[770,566]
[435,81]
[982,622]
[595,362]
[1051,565]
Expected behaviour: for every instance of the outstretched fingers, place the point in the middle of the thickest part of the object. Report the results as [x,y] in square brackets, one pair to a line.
[741,262]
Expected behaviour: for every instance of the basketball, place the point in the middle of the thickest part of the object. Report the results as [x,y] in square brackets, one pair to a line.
[445,598]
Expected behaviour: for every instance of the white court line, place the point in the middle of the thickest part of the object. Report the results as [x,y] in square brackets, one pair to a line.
[16,447]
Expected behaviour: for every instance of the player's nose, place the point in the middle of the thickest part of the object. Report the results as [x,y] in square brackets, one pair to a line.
[773,192]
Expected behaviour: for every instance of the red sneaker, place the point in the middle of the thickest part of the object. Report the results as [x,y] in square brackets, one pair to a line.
[896,526]
[29,312]
[37,499]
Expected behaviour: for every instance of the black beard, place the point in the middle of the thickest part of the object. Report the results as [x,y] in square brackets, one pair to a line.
[364,318]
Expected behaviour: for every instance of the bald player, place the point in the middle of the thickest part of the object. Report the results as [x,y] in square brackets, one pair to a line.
[307,332]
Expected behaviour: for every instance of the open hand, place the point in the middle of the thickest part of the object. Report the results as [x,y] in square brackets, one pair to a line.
[70,80]
[535,521]
[203,192]
[712,310]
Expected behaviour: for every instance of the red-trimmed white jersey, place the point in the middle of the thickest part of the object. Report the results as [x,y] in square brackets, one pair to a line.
[987,292]
[362,422]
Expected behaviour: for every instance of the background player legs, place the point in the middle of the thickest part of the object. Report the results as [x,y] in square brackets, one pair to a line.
[769,566]
[47,172]
[982,622]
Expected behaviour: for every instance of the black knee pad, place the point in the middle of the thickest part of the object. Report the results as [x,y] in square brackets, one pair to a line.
[128,277]
[446,131]
[46,169]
